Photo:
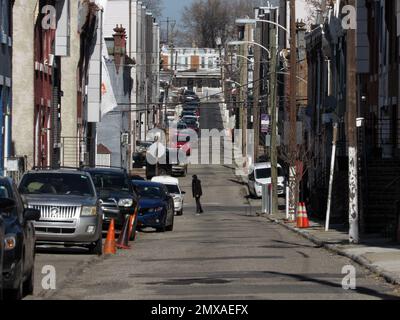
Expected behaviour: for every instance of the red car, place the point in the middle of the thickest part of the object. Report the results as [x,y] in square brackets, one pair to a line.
[181,141]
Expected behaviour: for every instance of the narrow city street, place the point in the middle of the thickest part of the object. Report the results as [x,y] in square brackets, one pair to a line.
[226,253]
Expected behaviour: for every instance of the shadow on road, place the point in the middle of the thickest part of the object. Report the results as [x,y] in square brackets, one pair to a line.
[360,290]
[62,250]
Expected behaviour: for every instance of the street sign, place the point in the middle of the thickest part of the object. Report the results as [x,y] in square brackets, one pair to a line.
[265,122]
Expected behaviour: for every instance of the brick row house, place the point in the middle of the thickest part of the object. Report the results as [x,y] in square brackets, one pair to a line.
[6,44]
[378,131]
[57,94]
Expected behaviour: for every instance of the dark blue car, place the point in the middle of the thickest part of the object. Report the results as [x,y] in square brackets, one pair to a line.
[19,242]
[1,256]
[156,206]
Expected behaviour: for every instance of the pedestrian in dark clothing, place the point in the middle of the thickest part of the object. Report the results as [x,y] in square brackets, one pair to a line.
[197,193]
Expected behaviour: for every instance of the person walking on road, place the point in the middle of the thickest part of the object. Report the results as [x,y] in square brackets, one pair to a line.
[197,193]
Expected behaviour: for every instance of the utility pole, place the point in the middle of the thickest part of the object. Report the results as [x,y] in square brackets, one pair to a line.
[351,102]
[274,151]
[242,100]
[218,42]
[256,92]
[293,183]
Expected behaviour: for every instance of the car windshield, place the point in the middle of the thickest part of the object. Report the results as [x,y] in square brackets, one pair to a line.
[173,188]
[110,181]
[56,184]
[152,192]
[182,126]
[265,173]
[190,121]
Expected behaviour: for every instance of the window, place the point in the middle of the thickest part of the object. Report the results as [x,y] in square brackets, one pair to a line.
[210,63]
[56,184]
[203,62]
[110,181]
[151,192]
[173,188]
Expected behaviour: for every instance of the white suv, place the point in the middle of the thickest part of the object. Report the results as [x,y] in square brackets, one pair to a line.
[259,174]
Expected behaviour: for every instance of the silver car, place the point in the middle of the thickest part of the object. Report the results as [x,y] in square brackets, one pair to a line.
[69,206]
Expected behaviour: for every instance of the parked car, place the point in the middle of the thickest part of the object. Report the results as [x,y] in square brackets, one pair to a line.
[181,126]
[181,141]
[191,123]
[193,108]
[69,206]
[136,177]
[142,146]
[156,206]
[160,166]
[2,236]
[19,242]
[174,190]
[117,197]
[259,174]
[138,160]
[179,161]
[187,113]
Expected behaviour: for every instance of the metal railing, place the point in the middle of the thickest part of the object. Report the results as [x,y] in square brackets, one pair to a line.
[76,151]
[383,134]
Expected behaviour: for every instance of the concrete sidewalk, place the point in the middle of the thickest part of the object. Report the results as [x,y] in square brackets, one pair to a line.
[377,255]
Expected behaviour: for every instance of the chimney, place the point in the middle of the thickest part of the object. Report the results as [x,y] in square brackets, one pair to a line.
[119,46]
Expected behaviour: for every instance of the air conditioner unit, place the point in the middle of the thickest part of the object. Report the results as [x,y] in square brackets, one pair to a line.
[51,60]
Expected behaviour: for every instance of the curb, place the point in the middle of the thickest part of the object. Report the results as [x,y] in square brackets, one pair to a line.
[388,276]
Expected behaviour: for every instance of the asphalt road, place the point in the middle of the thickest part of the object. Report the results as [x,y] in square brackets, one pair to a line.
[226,253]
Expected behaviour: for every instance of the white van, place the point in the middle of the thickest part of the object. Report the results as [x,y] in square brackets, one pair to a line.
[259,174]
[174,189]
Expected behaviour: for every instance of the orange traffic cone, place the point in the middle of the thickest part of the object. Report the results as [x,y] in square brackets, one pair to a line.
[123,239]
[109,245]
[299,215]
[305,222]
[132,219]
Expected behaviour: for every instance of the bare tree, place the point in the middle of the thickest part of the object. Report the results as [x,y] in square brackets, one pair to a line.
[155,7]
[314,7]
[205,20]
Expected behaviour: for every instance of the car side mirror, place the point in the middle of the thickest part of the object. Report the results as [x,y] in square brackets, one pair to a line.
[32,215]
[7,205]
[183,192]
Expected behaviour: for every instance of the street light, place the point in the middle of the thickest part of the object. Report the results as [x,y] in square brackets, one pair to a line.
[275,24]
[232,81]
[238,43]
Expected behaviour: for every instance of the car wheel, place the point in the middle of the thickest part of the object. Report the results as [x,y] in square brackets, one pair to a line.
[97,247]
[29,283]
[250,192]
[161,229]
[171,227]
[180,213]
[16,294]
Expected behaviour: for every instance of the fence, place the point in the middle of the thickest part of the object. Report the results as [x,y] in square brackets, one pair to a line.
[76,151]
